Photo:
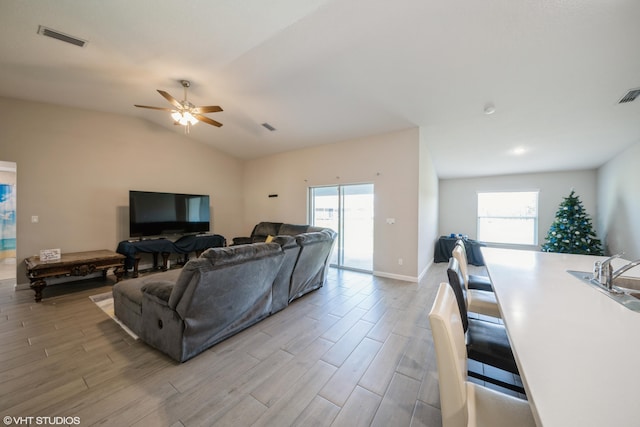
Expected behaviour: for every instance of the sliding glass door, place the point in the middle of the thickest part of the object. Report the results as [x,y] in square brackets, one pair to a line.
[347,209]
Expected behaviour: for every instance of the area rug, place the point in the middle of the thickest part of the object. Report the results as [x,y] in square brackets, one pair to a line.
[105,302]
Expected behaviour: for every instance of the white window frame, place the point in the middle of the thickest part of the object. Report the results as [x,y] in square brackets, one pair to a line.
[491,239]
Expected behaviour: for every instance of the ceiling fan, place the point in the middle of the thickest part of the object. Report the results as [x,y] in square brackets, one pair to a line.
[184,112]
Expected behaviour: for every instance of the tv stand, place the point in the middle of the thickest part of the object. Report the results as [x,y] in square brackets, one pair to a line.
[165,247]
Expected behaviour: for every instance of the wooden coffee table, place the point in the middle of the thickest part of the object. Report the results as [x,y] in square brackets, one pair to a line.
[73,264]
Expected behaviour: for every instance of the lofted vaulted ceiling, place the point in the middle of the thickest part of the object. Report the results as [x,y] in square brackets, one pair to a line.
[325,71]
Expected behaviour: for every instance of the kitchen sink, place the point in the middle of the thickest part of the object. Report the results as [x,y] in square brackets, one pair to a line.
[626,289]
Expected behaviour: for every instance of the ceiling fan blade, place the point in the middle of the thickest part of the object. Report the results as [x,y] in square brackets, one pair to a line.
[207,120]
[171,99]
[208,109]
[154,108]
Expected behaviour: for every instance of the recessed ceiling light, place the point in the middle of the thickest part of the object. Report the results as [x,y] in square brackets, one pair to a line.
[489,109]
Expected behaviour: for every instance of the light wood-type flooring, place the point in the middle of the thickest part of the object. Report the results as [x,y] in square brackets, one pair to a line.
[357,352]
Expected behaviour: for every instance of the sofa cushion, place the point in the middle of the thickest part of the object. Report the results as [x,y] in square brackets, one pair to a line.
[293,229]
[285,242]
[234,255]
[214,258]
[160,289]
[130,291]
[264,229]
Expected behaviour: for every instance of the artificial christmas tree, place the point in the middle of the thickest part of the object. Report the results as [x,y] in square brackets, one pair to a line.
[572,231]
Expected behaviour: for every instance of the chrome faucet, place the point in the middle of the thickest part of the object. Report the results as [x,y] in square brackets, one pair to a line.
[603,272]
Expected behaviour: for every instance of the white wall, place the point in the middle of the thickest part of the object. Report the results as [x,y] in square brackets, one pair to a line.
[389,161]
[619,203]
[428,207]
[458,198]
[76,167]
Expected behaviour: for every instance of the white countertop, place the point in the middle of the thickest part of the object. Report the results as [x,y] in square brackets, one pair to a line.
[578,351]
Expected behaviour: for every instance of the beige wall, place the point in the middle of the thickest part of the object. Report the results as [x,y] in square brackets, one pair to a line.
[619,203]
[458,200]
[390,161]
[75,168]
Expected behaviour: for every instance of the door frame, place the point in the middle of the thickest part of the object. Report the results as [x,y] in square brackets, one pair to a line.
[340,252]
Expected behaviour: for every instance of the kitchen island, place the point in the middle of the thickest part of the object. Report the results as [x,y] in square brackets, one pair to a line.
[577,350]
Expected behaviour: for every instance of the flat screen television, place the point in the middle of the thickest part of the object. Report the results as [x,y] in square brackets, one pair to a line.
[157,214]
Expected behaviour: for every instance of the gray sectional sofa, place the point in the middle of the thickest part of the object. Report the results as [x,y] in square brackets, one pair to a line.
[262,230]
[225,290]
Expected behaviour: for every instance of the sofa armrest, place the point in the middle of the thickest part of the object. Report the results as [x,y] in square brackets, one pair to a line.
[159,291]
[162,327]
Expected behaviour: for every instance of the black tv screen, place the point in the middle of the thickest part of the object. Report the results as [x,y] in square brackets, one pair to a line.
[157,214]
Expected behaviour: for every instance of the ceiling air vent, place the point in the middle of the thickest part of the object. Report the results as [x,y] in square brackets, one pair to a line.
[61,36]
[630,96]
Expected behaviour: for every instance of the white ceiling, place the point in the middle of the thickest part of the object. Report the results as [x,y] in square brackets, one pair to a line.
[324,71]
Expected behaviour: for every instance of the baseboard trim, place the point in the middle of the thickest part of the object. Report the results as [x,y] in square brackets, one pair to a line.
[424,272]
[396,276]
[22,286]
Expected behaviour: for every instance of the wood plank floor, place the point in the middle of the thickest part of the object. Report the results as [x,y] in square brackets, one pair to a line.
[357,352]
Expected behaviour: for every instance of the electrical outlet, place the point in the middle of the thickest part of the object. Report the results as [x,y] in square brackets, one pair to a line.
[400,261]
[34,218]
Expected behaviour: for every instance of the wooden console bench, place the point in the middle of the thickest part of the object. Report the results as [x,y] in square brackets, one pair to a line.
[73,264]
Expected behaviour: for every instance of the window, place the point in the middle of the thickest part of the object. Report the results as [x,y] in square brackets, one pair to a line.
[508,217]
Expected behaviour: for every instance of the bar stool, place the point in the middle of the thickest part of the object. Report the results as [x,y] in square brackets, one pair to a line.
[464,403]
[477,301]
[472,281]
[487,342]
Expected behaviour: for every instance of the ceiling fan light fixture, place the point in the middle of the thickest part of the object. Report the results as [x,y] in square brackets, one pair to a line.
[184,112]
[184,118]
[188,117]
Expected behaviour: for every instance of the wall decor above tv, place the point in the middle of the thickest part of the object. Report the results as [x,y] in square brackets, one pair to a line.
[162,214]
